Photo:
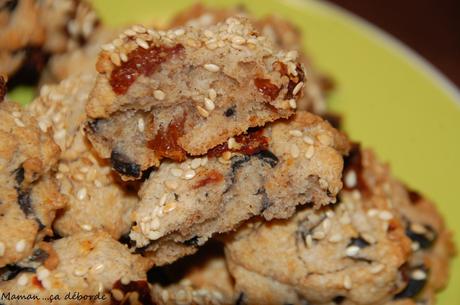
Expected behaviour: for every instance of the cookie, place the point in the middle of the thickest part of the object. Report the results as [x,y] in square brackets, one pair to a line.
[339,254]
[20,28]
[265,172]
[28,196]
[168,94]
[97,200]
[283,33]
[85,268]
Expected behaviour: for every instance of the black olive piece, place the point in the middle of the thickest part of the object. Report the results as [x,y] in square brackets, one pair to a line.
[192,241]
[19,175]
[359,242]
[425,241]
[412,289]
[121,164]
[10,5]
[25,202]
[240,299]
[265,201]
[39,255]
[268,157]
[338,299]
[93,125]
[230,111]
[9,272]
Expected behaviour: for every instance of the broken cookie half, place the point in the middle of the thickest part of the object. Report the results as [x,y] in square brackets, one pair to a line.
[182,92]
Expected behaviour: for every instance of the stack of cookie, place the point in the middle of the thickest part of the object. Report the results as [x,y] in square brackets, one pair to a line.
[194,165]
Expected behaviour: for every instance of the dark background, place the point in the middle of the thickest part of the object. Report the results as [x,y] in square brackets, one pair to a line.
[430,27]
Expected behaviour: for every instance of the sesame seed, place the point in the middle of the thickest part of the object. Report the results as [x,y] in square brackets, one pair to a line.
[227,155]
[212,67]
[19,122]
[330,214]
[171,184]
[142,43]
[372,212]
[23,280]
[204,161]
[189,174]
[347,282]
[351,179]
[292,55]
[418,228]
[108,47]
[117,42]
[86,227]
[352,250]
[16,114]
[170,206]
[415,246]
[202,111]
[335,238]
[117,294]
[42,273]
[309,241]
[176,172]
[232,144]
[212,94]
[2,248]
[310,152]
[60,134]
[179,32]
[159,95]
[326,224]
[295,132]
[323,183]
[123,57]
[79,271]
[140,124]
[139,29]
[376,269]
[81,194]
[418,275]
[319,235]
[115,58]
[369,238]
[97,183]
[195,163]
[43,126]
[124,280]
[20,245]
[155,224]
[163,199]
[292,103]
[98,268]
[295,152]
[209,104]
[345,219]
[154,235]
[208,33]
[297,88]
[129,32]
[325,139]
[385,215]
[238,40]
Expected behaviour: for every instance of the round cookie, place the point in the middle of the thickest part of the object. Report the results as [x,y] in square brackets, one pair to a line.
[266,172]
[85,264]
[28,196]
[96,199]
[361,251]
[168,94]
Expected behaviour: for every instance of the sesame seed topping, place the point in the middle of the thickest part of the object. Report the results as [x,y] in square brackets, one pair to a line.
[209,104]
[123,57]
[295,152]
[351,179]
[19,122]
[295,132]
[310,152]
[60,134]
[20,245]
[418,228]
[227,155]
[376,269]
[117,294]
[292,103]
[385,215]
[170,206]
[347,284]
[325,139]
[189,174]
[80,271]
[179,32]
[159,95]
[129,32]
[139,29]
[204,161]
[352,250]
[330,214]
[98,268]
[238,40]
[335,238]
[195,163]
[319,235]
[2,248]
[326,224]
[202,111]
[16,114]
[81,194]
[297,88]
[308,140]
[212,94]
[176,172]
[115,58]
[345,219]
[42,273]
[171,184]
[124,280]
[23,280]
[163,199]
[142,43]
[108,47]
[155,224]
[212,67]
[232,144]
[140,124]
[418,275]
[372,212]
[415,246]
[309,241]
[292,55]
[86,227]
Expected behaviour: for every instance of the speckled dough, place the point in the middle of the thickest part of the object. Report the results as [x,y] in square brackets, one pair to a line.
[362,251]
[91,264]
[200,88]
[28,199]
[182,205]
[96,200]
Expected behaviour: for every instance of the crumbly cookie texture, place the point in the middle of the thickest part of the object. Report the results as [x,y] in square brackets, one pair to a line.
[96,199]
[283,33]
[91,264]
[28,196]
[377,239]
[266,172]
[166,94]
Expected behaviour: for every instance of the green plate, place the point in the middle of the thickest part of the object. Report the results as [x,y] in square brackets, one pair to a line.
[392,99]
